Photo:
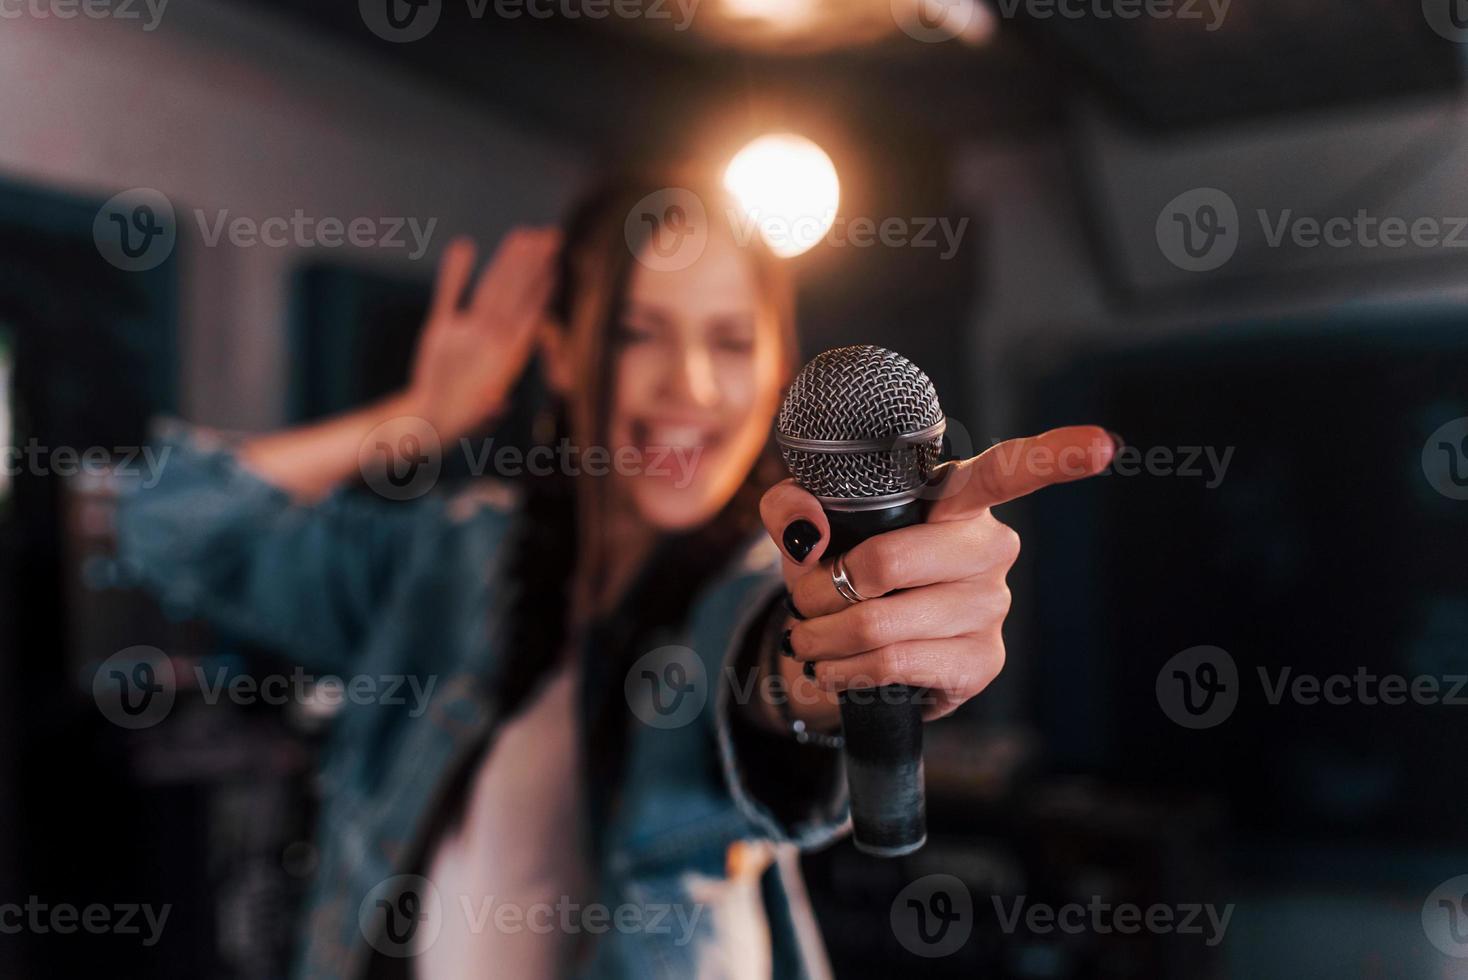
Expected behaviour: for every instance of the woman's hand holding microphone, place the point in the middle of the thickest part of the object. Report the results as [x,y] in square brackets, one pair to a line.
[934,596]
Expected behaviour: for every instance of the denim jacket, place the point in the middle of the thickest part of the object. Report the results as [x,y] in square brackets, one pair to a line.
[355,586]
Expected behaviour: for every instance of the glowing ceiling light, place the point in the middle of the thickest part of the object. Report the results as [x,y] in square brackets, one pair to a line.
[787,187]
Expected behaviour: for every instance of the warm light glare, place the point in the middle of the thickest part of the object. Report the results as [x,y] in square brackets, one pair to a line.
[790,14]
[788,190]
[971,21]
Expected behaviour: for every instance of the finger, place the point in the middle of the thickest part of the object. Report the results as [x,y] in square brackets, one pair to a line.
[454,269]
[1018,467]
[931,612]
[510,319]
[954,669]
[534,295]
[909,557]
[795,522]
[943,705]
[497,269]
[523,257]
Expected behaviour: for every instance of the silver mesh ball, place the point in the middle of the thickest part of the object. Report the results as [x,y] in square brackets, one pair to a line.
[854,395]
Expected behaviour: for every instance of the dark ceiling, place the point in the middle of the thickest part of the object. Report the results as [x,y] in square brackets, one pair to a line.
[846,60]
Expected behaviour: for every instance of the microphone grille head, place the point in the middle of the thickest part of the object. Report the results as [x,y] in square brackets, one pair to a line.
[861,422]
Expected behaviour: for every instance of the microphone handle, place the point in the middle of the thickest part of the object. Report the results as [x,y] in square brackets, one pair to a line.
[884,725]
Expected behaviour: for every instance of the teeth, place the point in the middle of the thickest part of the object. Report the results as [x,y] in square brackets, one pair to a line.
[688,436]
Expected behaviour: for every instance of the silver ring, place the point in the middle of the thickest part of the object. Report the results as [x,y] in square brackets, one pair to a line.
[843,583]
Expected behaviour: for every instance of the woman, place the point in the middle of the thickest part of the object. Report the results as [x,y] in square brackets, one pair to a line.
[528,823]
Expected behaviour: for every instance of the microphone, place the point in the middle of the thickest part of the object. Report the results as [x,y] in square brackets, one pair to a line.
[861,429]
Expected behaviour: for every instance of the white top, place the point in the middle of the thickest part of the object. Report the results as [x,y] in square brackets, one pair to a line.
[512,862]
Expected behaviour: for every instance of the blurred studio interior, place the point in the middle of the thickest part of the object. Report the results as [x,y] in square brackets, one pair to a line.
[1227,231]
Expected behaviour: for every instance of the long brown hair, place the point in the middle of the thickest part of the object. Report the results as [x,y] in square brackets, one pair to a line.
[564,519]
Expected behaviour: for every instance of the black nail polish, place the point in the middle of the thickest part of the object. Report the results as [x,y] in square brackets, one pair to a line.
[800,537]
[809,669]
[785,646]
[790,607]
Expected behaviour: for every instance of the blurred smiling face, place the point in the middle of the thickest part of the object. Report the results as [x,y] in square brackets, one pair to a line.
[696,383]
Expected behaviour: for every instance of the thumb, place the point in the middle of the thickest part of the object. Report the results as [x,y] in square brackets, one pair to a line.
[795,522]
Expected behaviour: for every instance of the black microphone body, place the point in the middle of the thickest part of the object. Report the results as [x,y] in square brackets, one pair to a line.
[883,726]
[861,429]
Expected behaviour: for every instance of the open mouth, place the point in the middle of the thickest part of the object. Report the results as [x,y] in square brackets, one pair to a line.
[650,434]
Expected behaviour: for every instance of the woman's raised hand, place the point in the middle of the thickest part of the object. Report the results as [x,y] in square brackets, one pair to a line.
[475,347]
